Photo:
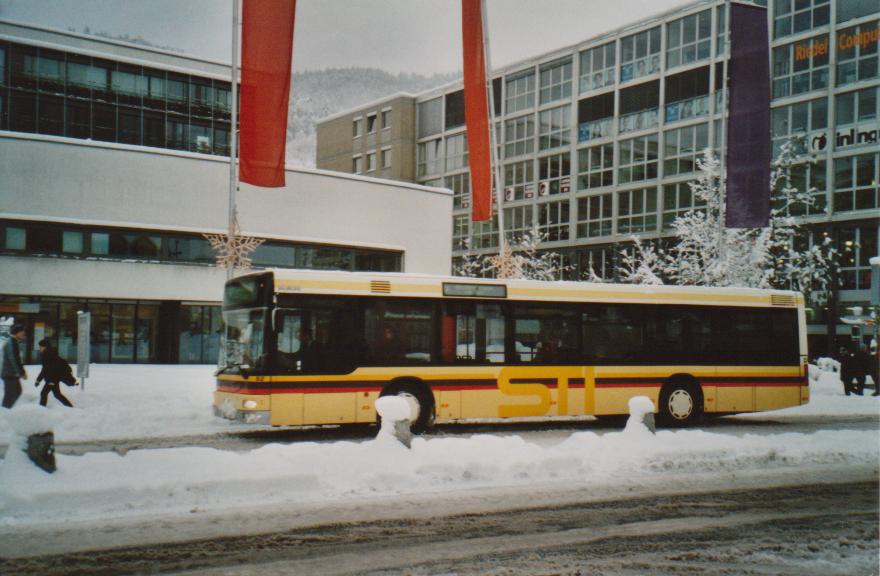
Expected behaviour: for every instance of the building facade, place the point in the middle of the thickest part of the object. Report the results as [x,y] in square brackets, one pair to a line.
[377,139]
[114,164]
[598,141]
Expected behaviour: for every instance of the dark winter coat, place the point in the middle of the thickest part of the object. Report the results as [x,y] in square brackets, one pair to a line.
[12,366]
[55,368]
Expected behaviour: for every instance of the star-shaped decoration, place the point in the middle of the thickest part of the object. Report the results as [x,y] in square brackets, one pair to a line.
[233,250]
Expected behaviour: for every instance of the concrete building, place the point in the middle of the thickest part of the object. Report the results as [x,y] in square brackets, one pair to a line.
[598,140]
[114,163]
[377,139]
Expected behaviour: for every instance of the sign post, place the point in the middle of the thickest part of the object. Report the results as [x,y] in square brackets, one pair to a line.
[83,349]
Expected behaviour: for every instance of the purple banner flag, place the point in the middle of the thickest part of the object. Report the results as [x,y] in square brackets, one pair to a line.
[748,124]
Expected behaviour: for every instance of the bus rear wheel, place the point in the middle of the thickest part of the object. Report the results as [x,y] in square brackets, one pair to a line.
[681,404]
[421,402]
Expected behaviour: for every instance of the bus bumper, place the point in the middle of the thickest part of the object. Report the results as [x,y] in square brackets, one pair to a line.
[228,411]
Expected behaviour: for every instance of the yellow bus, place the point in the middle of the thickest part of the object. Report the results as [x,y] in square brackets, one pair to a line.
[314,347]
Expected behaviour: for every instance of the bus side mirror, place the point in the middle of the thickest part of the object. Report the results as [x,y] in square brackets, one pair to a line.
[277,321]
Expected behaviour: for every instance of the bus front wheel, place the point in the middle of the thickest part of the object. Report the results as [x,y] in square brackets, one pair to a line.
[420,400]
[681,403]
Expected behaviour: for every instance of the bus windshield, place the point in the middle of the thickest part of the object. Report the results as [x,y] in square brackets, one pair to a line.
[243,339]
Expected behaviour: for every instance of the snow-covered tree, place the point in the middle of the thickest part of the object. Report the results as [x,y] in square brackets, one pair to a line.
[705,253]
[525,260]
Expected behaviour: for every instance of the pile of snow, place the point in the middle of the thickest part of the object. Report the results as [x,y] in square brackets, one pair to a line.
[188,480]
[640,407]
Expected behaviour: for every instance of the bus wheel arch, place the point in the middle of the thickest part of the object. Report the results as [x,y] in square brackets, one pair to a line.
[419,395]
[681,401]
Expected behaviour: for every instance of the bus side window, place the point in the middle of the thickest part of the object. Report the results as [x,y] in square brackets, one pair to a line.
[473,333]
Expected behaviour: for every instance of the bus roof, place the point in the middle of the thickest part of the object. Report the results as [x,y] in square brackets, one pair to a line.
[288,281]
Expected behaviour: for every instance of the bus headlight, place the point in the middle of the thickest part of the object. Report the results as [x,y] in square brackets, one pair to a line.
[250,404]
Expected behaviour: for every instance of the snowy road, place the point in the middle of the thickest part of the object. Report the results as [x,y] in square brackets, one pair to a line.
[811,529]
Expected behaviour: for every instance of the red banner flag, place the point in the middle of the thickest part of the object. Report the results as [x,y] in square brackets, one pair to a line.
[266,55]
[476,110]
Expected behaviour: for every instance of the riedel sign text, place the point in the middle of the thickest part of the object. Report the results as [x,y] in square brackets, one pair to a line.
[846,41]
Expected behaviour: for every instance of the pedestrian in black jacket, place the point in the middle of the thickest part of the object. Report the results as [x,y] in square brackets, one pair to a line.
[55,370]
[12,367]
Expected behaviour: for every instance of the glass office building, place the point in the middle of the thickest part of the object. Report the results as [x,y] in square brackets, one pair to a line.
[598,141]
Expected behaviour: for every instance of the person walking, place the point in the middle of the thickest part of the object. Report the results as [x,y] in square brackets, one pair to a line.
[848,361]
[55,371]
[13,368]
[861,367]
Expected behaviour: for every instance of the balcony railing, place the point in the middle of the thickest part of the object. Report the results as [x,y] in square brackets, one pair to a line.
[638,120]
[690,108]
[595,129]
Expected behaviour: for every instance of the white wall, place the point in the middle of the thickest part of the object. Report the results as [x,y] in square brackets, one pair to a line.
[58,179]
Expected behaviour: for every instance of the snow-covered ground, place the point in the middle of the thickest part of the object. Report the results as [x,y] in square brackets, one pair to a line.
[147,401]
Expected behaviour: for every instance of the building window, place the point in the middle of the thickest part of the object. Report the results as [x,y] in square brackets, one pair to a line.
[856,183]
[637,211]
[520,93]
[386,158]
[795,16]
[371,161]
[460,232]
[687,95]
[807,177]
[485,234]
[855,108]
[371,123]
[852,9]
[16,238]
[678,199]
[553,220]
[598,262]
[596,117]
[460,184]
[554,174]
[597,67]
[386,118]
[356,127]
[357,164]
[554,128]
[518,220]
[430,114]
[639,107]
[555,79]
[430,160]
[519,136]
[800,119]
[800,67]
[637,159]
[688,39]
[519,181]
[721,30]
[640,54]
[72,242]
[456,152]
[595,216]
[857,53]
[596,167]
[682,147]
[856,247]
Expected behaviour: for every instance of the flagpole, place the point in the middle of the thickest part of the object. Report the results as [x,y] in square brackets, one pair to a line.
[493,135]
[233,130]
